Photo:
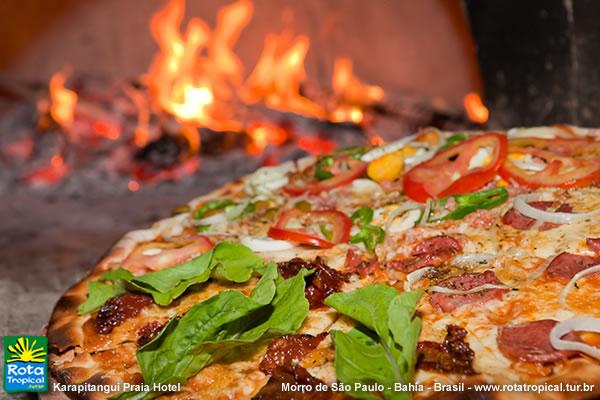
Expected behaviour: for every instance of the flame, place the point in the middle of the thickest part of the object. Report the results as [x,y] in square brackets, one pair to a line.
[277,76]
[193,75]
[350,94]
[350,89]
[62,101]
[262,134]
[476,110]
[190,133]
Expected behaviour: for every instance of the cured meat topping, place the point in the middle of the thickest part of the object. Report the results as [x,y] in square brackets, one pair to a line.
[453,355]
[437,244]
[530,342]
[148,332]
[565,265]
[323,282]
[288,350]
[282,362]
[120,308]
[523,223]
[432,252]
[354,264]
[594,244]
[450,302]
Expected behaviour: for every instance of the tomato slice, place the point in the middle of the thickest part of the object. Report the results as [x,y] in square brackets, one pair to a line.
[344,170]
[339,223]
[448,171]
[568,162]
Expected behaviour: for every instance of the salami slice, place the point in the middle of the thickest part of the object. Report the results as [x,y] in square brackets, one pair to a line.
[431,252]
[450,302]
[436,244]
[530,342]
[594,244]
[523,223]
[565,265]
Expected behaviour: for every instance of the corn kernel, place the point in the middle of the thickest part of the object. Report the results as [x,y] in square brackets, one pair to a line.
[387,168]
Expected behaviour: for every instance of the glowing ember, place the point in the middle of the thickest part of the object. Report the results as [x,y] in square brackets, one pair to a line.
[316,145]
[133,186]
[62,101]
[192,75]
[376,140]
[107,130]
[262,134]
[55,171]
[277,76]
[476,110]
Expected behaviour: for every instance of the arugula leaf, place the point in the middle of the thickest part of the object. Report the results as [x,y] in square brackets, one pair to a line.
[384,348]
[217,204]
[370,236]
[362,216]
[227,261]
[98,294]
[227,321]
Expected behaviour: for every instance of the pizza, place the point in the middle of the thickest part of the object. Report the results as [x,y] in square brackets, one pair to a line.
[442,265]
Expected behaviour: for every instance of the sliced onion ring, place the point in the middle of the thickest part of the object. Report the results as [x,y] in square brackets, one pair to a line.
[522,206]
[486,286]
[472,258]
[581,324]
[563,293]
[265,244]
[400,210]
[415,276]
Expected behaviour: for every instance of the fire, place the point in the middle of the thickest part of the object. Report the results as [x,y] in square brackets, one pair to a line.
[476,110]
[348,89]
[190,133]
[262,134]
[194,73]
[277,76]
[351,95]
[62,101]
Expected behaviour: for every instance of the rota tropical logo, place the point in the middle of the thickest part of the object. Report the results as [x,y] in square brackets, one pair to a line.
[25,363]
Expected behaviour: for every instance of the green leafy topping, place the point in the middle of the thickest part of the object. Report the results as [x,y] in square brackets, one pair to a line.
[454,139]
[227,261]
[222,325]
[98,294]
[383,349]
[322,168]
[355,152]
[362,216]
[468,203]
[218,204]
[202,228]
[369,235]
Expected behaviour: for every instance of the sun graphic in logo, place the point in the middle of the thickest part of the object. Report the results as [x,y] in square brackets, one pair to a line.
[25,351]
